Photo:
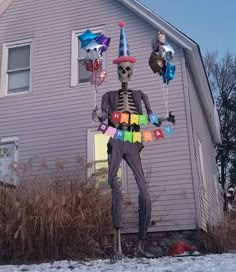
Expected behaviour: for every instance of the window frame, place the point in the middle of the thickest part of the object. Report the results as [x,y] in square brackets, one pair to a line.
[13,141]
[91,155]
[75,53]
[4,72]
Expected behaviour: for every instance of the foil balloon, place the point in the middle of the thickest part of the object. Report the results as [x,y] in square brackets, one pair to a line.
[91,65]
[104,41]
[168,73]
[86,38]
[167,52]
[97,77]
[93,50]
[158,39]
[156,63]
[101,76]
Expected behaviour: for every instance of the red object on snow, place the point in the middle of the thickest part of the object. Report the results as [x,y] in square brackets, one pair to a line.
[179,248]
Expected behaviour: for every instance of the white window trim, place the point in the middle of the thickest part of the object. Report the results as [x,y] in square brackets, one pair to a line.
[4,75]
[75,53]
[90,158]
[12,140]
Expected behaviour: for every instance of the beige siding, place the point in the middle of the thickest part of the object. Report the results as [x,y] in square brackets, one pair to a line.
[52,121]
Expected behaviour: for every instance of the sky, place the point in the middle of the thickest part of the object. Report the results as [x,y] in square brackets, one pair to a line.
[210,23]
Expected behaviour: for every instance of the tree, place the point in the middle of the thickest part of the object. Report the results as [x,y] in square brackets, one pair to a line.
[222,79]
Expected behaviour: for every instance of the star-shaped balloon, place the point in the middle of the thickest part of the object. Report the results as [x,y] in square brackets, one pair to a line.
[93,50]
[86,38]
[105,41]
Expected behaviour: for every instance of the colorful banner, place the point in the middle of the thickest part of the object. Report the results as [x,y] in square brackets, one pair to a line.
[137,137]
[128,136]
[147,136]
[134,119]
[139,119]
[153,118]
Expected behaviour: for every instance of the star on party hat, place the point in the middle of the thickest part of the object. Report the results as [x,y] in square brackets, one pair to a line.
[124,52]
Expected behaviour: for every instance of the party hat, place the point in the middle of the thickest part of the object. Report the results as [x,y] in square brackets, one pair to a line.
[124,52]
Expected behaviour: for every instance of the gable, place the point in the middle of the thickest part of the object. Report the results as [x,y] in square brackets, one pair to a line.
[4,5]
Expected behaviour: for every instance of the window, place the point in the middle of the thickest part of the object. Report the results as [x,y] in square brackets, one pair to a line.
[8,154]
[79,74]
[16,68]
[97,153]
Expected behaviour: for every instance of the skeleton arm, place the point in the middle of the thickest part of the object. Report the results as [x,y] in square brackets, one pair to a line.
[102,116]
[169,118]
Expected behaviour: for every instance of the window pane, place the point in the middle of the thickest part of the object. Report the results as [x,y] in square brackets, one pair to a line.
[101,147]
[5,152]
[6,159]
[19,57]
[101,164]
[83,73]
[18,81]
[82,52]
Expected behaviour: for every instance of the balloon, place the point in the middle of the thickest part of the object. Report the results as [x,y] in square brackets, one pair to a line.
[166,51]
[101,76]
[168,73]
[91,65]
[156,63]
[97,77]
[93,50]
[105,41]
[86,38]
[157,40]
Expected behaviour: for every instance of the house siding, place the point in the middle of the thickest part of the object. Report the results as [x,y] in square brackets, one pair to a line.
[52,120]
[211,206]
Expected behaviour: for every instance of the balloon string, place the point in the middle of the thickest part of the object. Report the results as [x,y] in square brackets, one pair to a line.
[166,100]
[165,91]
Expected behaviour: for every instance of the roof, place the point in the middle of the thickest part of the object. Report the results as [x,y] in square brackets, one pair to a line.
[4,5]
[192,53]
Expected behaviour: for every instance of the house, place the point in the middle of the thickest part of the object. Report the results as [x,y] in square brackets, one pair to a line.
[46,102]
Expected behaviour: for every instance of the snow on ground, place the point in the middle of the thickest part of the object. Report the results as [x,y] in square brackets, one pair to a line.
[209,263]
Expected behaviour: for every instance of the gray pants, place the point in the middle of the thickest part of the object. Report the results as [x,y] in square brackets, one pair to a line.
[130,152]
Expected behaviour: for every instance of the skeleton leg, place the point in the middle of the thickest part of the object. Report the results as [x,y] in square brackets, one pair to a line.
[115,154]
[132,157]
[117,242]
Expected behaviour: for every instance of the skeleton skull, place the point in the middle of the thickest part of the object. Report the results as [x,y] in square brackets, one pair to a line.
[125,71]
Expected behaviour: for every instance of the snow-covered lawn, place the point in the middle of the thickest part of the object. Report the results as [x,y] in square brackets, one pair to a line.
[209,263]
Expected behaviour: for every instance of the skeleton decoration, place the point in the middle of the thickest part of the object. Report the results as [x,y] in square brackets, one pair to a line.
[126,101]
[125,71]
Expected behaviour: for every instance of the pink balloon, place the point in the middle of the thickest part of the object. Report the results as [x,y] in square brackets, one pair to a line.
[97,77]
[101,76]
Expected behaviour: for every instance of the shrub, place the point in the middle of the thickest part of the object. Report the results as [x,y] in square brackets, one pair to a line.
[51,217]
[220,238]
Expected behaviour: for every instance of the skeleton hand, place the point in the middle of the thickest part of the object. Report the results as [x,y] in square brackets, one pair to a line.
[171,118]
[95,115]
[98,116]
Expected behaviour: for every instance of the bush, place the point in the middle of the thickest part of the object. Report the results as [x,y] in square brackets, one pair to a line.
[47,218]
[220,238]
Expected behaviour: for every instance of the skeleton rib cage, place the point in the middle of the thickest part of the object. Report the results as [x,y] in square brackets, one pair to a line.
[126,102]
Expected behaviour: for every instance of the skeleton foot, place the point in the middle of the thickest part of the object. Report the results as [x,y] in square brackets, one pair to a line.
[141,252]
[118,255]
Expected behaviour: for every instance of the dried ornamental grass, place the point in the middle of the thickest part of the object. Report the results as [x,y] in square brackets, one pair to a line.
[222,237]
[54,220]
